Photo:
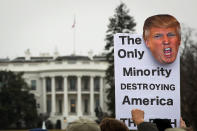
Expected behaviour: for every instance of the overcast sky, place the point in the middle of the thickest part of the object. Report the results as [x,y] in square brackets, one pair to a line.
[44,26]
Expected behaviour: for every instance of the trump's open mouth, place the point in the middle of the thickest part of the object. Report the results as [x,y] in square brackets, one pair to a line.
[167,52]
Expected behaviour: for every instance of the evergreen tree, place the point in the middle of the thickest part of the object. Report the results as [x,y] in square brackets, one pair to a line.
[17,105]
[121,22]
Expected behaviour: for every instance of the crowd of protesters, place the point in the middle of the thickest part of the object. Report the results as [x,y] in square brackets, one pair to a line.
[112,124]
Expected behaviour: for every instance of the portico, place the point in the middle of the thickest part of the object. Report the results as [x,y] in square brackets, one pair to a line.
[77,94]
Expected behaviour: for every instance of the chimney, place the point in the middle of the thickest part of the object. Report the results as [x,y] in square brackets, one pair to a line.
[55,54]
[90,54]
[27,55]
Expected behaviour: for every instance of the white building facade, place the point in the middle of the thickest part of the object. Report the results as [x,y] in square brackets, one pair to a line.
[67,87]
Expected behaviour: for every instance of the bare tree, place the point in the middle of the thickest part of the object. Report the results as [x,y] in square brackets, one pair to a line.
[189,76]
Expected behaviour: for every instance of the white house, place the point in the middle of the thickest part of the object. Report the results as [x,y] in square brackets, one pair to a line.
[65,87]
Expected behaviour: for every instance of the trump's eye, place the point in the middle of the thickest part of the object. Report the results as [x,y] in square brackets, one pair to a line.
[171,34]
[157,36]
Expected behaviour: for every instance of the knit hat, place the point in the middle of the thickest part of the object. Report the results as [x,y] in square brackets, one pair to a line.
[83,125]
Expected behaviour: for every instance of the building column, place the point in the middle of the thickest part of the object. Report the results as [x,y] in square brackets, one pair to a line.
[44,94]
[79,112]
[101,93]
[65,97]
[53,96]
[92,96]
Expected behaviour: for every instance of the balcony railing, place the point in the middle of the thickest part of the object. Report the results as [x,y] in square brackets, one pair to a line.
[58,113]
[72,89]
[86,113]
[96,89]
[85,89]
[59,89]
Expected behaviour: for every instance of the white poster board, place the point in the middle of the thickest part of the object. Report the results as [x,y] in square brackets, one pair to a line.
[141,82]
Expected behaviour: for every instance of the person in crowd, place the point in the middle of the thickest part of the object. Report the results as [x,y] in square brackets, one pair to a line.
[162,124]
[138,119]
[83,125]
[159,125]
[112,124]
[162,36]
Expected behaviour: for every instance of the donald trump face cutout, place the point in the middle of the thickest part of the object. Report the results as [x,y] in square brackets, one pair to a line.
[162,36]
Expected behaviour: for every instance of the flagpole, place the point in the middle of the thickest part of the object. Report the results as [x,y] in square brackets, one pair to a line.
[74,41]
[74,36]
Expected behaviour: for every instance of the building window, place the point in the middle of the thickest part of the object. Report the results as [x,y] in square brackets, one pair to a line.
[96,83]
[33,84]
[48,84]
[97,103]
[85,83]
[72,106]
[60,106]
[59,84]
[38,105]
[48,106]
[98,110]
[86,106]
[73,83]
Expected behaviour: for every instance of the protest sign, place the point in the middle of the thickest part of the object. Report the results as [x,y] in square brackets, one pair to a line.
[142,82]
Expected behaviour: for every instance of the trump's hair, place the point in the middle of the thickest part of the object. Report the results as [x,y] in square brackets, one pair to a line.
[160,21]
